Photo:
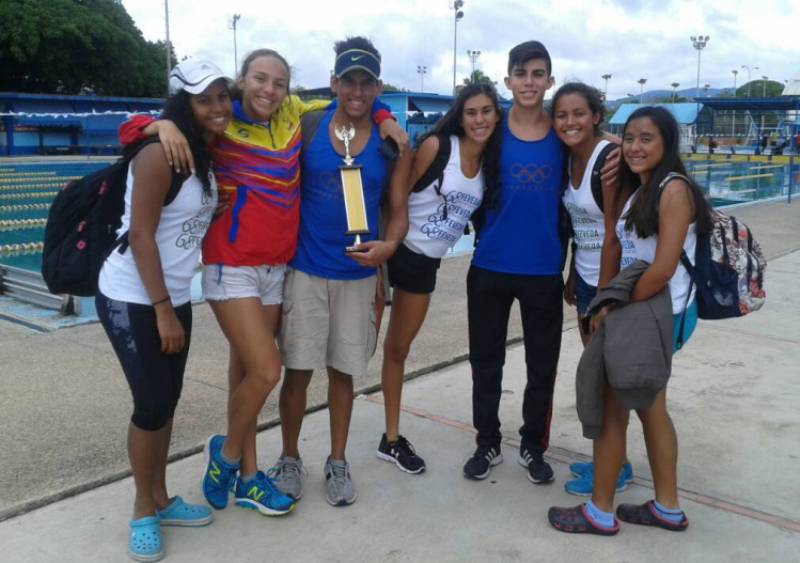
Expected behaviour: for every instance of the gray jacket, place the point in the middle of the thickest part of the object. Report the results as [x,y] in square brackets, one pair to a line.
[631,350]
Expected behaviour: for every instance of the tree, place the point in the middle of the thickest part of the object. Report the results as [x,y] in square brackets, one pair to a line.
[392,88]
[758,88]
[477,76]
[70,46]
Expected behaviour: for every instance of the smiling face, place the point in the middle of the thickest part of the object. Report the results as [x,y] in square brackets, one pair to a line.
[479,118]
[574,121]
[642,147]
[529,82]
[212,109]
[355,92]
[264,87]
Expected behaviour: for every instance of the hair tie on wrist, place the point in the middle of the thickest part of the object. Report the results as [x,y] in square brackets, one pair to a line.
[161,301]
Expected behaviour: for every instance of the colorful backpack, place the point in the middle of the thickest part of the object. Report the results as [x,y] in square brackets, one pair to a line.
[728,269]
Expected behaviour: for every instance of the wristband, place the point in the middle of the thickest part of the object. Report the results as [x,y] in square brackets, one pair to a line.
[382,115]
[161,301]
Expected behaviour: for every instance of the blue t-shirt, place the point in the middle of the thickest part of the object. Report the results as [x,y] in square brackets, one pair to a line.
[323,223]
[520,236]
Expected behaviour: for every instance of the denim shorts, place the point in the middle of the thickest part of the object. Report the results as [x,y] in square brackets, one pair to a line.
[221,283]
[584,293]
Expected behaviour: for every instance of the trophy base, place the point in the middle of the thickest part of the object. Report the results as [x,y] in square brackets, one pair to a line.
[356,243]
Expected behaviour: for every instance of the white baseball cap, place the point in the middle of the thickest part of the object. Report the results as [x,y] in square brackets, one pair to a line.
[194,76]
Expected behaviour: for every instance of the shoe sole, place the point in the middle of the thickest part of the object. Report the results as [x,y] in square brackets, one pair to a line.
[387,457]
[343,502]
[155,557]
[260,508]
[540,481]
[495,461]
[196,523]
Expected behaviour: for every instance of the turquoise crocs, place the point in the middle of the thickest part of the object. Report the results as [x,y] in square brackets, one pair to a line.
[144,543]
[180,513]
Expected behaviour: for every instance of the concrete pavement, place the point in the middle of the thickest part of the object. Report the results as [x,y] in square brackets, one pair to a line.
[733,398]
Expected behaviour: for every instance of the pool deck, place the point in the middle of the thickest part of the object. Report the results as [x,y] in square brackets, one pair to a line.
[734,395]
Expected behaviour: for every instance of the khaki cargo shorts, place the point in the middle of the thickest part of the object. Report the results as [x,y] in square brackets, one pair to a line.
[327,323]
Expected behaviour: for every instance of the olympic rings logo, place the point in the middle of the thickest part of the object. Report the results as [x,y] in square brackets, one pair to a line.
[531,173]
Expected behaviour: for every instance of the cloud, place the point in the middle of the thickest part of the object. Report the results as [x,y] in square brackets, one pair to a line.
[630,39]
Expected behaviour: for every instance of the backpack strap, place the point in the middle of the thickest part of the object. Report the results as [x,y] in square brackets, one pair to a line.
[176,182]
[434,175]
[435,172]
[596,183]
[309,124]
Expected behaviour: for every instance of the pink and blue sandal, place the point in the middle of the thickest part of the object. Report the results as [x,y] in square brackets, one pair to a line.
[647,515]
[575,520]
[180,513]
[144,543]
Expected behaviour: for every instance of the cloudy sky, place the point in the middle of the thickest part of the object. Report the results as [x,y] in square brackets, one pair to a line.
[628,39]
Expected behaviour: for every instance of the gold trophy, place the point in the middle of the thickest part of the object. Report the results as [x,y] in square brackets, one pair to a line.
[352,188]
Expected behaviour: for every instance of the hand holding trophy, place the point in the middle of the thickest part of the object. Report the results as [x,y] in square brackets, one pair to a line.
[352,189]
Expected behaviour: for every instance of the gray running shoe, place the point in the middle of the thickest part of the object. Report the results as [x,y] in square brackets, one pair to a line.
[288,475]
[339,488]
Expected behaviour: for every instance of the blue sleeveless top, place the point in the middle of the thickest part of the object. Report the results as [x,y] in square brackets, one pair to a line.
[321,238]
[520,236]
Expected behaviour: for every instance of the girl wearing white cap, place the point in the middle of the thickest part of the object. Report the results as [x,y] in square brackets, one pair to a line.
[144,297]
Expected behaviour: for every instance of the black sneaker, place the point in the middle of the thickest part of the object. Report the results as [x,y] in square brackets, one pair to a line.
[402,454]
[480,464]
[539,471]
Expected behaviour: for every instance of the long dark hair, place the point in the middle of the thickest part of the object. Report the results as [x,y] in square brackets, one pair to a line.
[593,97]
[643,214]
[450,124]
[178,110]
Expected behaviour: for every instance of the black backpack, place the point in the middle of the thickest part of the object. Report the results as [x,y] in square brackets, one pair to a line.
[82,225]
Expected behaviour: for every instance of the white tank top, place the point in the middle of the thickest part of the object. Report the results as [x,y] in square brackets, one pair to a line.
[635,248]
[428,232]
[587,221]
[181,228]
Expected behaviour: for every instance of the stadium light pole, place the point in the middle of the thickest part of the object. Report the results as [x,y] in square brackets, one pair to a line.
[764,86]
[473,57]
[699,42]
[733,112]
[675,91]
[234,20]
[749,78]
[641,82]
[421,70]
[166,43]
[457,15]
[605,88]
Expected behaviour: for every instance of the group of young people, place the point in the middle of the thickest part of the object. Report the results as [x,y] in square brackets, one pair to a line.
[264,201]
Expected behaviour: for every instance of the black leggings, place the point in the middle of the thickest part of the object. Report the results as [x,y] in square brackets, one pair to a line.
[155,379]
[489,299]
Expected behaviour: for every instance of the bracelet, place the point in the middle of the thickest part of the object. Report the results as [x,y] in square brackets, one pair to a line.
[161,301]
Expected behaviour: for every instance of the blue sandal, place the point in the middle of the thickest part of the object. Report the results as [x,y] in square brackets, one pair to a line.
[144,543]
[180,513]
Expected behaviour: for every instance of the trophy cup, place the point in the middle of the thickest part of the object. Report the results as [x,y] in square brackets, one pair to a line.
[353,189]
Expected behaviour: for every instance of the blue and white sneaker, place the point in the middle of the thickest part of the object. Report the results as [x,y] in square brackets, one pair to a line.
[219,475]
[582,486]
[581,468]
[261,494]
